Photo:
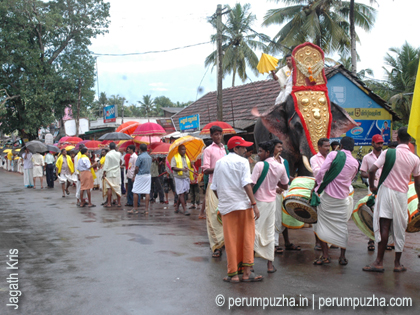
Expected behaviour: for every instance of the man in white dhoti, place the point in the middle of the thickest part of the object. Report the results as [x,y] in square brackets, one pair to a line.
[285,78]
[28,179]
[65,170]
[76,173]
[336,206]
[38,162]
[390,217]
[267,175]
[142,179]
[112,175]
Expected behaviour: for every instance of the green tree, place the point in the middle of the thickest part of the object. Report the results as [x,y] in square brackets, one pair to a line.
[147,106]
[322,22]
[162,101]
[347,63]
[38,79]
[238,43]
[401,70]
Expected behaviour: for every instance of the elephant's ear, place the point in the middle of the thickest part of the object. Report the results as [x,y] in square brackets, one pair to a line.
[341,121]
[274,119]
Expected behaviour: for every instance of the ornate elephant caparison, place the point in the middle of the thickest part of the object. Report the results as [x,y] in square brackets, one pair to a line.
[307,114]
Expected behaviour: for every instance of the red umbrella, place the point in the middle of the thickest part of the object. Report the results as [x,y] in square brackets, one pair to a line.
[71,140]
[106,143]
[160,149]
[128,127]
[77,146]
[149,129]
[92,144]
[225,127]
[126,144]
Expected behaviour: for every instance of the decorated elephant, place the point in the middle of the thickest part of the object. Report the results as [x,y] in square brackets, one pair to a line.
[282,121]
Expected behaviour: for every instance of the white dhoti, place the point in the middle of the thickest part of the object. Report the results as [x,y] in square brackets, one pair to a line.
[182,185]
[214,226]
[64,178]
[99,174]
[391,204]
[78,185]
[278,226]
[38,171]
[28,178]
[333,215]
[9,166]
[114,183]
[264,230]
[142,184]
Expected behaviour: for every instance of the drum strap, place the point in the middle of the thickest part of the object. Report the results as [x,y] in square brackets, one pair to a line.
[335,169]
[262,177]
[390,157]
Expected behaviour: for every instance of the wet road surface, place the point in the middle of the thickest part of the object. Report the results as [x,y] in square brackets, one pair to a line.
[103,261]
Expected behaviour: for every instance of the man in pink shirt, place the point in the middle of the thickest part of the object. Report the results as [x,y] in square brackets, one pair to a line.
[336,205]
[211,155]
[318,159]
[367,162]
[265,196]
[390,217]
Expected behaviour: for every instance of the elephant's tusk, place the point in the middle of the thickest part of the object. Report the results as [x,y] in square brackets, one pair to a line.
[306,163]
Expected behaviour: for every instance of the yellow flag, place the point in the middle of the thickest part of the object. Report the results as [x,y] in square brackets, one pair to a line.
[414,122]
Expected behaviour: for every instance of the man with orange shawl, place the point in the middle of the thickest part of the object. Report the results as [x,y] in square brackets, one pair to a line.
[86,177]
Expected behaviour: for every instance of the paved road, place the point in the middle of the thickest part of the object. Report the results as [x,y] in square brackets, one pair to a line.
[102,261]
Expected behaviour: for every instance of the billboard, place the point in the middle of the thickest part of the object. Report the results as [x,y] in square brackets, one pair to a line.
[166,124]
[366,129]
[189,123]
[70,126]
[110,113]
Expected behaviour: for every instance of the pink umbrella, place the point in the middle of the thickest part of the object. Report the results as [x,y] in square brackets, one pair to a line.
[149,129]
[146,140]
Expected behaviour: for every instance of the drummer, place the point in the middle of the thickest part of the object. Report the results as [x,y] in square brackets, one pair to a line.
[316,162]
[336,205]
[367,162]
[390,216]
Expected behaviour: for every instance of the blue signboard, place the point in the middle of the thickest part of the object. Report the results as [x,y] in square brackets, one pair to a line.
[366,129]
[189,123]
[110,113]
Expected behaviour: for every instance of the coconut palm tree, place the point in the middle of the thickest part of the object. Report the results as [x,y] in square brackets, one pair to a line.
[401,70]
[347,63]
[147,106]
[238,43]
[322,22]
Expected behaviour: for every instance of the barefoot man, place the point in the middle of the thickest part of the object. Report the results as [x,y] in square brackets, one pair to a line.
[112,175]
[239,210]
[267,175]
[86,177]
[390,216]
[182,168]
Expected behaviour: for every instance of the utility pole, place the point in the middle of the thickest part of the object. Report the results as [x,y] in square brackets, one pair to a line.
[219,63]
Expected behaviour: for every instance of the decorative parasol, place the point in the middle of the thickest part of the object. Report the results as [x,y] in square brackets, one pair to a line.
[124,144]
[225,127]
[146,140]
[161,149]
[149,129]
[92,144]
[115,136]
[128,127]
[36,146]
[267,63]
[70,140]
[193,145]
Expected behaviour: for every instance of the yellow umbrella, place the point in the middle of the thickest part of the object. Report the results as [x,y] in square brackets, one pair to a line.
[69,147]
[193,145]
[267,63]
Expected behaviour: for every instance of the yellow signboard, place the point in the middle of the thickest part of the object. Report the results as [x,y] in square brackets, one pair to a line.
[369,113]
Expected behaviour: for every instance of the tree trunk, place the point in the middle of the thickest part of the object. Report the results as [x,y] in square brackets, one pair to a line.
[234,73]
[79,98]
[353,39]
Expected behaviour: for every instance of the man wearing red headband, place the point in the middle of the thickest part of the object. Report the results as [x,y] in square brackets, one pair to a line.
[238,207]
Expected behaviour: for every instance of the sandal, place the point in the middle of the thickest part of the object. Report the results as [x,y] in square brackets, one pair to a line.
[229,279]
[322,261]
[400,269]
[373,269]
[278,250]
[253,278]
[390,247]
[217,253]
[67,192]
[202,217]
[317,247]
[272,270]
[292,247]
[343,261]
[371,246]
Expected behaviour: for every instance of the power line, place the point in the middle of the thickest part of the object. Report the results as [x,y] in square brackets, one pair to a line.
[151,52]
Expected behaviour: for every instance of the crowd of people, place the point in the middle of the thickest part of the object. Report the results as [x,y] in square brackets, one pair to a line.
[243,202]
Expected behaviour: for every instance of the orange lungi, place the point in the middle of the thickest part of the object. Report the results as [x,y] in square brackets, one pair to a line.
[86,180]
[239,232]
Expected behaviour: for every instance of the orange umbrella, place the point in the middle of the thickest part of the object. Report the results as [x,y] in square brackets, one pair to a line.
[128,127]
[225,127]
[92,144]
[71,140]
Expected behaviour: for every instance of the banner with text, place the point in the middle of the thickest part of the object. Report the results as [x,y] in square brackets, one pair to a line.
[110,113]
[366,129]
[190,123]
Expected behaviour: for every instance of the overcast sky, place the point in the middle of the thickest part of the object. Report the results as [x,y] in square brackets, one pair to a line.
[141,26]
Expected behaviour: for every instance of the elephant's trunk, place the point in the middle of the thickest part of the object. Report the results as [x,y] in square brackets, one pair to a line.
[306,163]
